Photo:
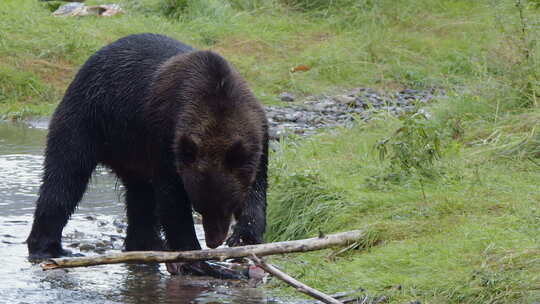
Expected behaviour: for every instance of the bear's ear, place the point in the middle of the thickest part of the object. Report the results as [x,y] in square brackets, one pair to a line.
[187,150]
[237,155]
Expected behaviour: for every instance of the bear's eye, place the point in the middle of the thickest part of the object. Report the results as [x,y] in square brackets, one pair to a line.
[237,155]
[187,150]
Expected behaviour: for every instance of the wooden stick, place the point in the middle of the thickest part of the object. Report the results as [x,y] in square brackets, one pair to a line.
[221,254]
[301,287]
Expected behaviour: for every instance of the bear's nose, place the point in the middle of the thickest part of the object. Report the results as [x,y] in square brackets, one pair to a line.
[215,229]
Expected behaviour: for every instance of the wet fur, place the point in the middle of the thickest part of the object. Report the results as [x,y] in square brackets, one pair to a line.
[131,107]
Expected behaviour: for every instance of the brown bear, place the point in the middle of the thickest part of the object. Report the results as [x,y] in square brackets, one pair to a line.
[181,130]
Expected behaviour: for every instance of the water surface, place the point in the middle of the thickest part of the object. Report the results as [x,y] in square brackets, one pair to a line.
[96,227]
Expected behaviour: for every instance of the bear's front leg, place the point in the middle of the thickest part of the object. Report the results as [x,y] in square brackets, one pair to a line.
[176,218]
[251,220]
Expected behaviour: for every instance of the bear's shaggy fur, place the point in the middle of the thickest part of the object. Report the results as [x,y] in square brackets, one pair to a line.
[181,130]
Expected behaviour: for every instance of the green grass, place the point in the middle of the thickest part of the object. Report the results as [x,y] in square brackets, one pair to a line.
[377,43]
[458,228]
[469,236]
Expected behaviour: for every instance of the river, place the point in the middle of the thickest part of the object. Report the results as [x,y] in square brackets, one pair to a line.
[96,227]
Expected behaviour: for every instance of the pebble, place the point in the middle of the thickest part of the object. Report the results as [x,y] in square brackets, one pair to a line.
[287,97]
[120,225]
[345,99]
[87,247]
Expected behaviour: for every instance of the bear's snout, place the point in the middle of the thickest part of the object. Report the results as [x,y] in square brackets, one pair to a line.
[215,230]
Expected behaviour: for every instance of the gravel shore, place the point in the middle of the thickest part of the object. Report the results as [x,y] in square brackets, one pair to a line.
[305,117]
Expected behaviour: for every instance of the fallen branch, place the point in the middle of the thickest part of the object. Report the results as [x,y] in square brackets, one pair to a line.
[301,287]
[338,239]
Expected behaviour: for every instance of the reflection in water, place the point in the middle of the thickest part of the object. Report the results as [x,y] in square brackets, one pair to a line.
[93,224]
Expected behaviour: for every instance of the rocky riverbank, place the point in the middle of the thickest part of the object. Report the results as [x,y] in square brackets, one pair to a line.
[307,116]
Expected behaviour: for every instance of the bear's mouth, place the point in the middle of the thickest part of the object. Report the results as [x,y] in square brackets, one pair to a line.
[216,229]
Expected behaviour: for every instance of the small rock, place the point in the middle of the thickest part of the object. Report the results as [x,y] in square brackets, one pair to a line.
[319,107]
[103,244]
[410,97]
[409,91]
[70,9]
[80,9]
[120,224]
[285,96]
[293,116]
[344,99]
[76,235]
[87,247]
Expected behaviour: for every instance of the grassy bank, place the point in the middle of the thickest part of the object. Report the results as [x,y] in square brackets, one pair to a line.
[451,206]
[386,44]
[468,234]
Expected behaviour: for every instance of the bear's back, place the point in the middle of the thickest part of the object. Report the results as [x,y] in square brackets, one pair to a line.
[106,99]
[122,71]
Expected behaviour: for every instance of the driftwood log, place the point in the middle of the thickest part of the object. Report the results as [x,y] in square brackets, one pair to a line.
[331,240]
[301,287]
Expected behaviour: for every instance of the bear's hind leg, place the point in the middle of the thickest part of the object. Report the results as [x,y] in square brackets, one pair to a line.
[69,163]
[143,231]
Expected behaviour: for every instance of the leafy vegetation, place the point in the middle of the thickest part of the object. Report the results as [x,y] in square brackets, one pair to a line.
[452,208]
[413,147]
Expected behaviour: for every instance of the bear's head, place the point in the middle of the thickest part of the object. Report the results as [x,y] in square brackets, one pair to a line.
[218,138]
[217,173]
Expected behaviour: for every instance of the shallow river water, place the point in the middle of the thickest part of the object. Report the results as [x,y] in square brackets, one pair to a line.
[96,227]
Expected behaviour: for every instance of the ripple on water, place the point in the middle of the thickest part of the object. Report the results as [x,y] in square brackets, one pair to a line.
[19,178]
